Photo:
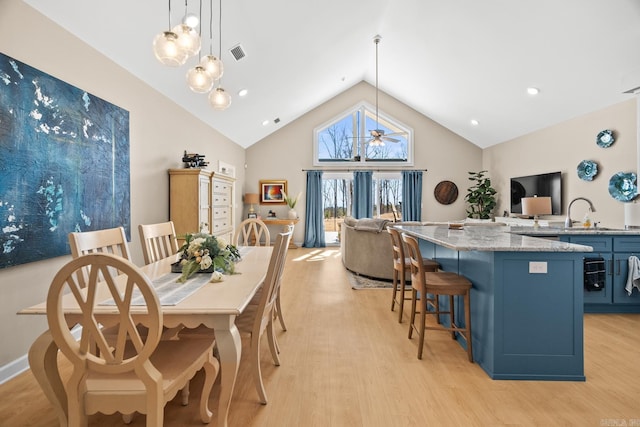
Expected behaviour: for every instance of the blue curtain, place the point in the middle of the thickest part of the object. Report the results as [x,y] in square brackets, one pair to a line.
[314,219]
[412,195]
[362,194]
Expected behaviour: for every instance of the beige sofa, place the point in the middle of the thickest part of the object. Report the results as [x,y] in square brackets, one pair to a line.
[366,247]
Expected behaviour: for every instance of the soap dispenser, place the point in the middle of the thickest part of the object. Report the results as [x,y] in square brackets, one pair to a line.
[586,221]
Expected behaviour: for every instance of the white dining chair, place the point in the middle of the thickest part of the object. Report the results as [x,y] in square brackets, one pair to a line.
[125,372]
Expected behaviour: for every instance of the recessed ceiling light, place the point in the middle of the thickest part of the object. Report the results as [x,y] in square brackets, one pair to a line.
[533,90]
[265,122]
[474,122]
[243,92]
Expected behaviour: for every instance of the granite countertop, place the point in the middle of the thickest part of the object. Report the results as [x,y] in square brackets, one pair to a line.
[560,231]
[490,238]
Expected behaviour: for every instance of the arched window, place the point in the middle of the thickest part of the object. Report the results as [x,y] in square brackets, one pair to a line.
[350,138]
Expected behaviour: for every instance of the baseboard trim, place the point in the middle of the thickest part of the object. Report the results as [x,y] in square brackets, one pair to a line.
[13,369]
[21,364]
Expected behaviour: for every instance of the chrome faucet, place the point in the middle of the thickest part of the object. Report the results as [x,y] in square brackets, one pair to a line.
[567,222]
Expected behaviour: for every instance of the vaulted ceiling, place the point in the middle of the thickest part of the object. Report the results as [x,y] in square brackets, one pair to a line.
[453,60]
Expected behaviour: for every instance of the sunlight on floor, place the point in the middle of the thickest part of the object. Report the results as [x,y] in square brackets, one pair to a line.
[319,255]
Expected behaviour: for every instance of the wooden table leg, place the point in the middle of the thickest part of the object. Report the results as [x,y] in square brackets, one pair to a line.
[230,349]
[43,360]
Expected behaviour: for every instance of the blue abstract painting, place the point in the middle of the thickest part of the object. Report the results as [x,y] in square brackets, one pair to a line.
[64,164]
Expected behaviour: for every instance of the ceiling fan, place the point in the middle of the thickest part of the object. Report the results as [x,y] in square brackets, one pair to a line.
[378,135]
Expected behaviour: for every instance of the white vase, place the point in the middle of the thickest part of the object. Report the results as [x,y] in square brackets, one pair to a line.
[293,214]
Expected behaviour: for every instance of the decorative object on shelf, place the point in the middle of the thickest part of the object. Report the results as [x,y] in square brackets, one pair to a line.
[252,199]
[535,206]
[587,170]
[272,191]
[446,192]
[204,253]
[271,214]
[291,202]
[194,160]
[481,196]
[605,138]
[622,186]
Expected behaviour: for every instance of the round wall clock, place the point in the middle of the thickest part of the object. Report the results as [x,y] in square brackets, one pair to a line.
[446,192]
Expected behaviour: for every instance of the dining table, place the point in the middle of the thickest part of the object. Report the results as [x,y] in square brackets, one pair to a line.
[213,304]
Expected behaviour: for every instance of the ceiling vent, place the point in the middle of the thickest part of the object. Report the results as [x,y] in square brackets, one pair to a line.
[237,52]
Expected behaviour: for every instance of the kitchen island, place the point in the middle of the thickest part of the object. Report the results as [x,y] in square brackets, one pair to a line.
[526,300]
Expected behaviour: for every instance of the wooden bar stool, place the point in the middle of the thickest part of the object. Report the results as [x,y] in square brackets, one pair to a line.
[441,283]
[402,264]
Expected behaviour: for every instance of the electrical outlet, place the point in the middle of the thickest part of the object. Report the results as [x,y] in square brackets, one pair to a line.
[538,267]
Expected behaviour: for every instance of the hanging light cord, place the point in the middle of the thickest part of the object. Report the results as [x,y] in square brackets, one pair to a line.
[220,41]
[200,32]
[211,28]
[377,40]
[169,15]
[220,36]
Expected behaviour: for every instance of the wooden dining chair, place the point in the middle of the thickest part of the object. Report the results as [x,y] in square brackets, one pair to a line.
[125,372]
[443,283]
[252,232]
[257,319]
[110,240]
[402,266]
[158,241]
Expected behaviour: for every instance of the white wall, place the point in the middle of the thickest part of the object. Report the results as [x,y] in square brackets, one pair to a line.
[159,133]
[446,156]
[561,148]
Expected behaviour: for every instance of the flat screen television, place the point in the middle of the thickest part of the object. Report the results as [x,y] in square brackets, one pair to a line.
[541,185]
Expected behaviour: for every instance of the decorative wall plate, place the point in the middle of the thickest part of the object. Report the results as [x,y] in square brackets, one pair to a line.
[605,138]
[587,169]
[622,186]
[446,192]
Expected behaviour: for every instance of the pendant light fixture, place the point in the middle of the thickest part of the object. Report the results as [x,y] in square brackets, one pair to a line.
[167,49]
[210,63]
[198,79]
[219,98]
[188,39]
[376,141]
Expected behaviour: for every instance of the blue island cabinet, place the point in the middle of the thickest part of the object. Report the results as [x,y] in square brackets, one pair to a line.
[526,310]
[615,250]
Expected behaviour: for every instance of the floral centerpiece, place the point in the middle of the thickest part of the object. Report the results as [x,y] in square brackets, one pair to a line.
[203,252]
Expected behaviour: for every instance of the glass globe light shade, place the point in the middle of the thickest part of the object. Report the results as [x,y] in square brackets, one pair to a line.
[199,80]
[188,39]
[167,50]
[213,66]
[191,20]
[219,99]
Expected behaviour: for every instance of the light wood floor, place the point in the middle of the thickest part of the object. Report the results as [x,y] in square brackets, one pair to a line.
[347,362]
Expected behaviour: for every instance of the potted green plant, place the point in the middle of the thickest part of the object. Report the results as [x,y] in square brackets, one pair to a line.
[481,196]
[291,202]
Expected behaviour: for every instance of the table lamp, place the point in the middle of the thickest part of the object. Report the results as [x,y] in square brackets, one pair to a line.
[251,199]
[536,206]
